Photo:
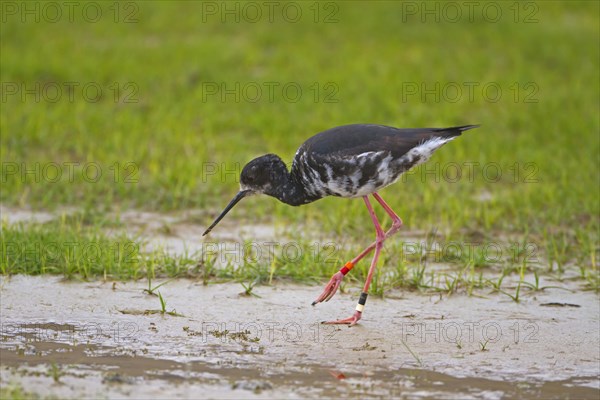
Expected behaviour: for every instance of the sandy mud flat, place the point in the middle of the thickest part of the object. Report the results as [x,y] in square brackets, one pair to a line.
[97,339]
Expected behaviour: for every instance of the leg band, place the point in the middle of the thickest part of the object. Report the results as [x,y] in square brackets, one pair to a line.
[361,302]
[363,298]
[347,268]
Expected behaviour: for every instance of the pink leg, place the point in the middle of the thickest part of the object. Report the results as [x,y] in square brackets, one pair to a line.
[336,279]
[380,237]
[396,221]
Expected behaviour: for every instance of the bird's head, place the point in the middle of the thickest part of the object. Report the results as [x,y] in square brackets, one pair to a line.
[261,175]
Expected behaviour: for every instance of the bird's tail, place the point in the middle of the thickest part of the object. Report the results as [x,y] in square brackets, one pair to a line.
[455,130]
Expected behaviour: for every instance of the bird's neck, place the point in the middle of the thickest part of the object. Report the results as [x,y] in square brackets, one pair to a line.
[289,190]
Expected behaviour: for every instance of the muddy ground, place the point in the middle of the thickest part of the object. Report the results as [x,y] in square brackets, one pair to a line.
[105,339]
[111,340]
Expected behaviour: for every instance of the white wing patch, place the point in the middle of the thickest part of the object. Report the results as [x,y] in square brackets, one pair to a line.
[425,149]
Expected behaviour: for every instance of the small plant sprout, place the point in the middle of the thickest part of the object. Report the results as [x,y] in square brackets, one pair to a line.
[248,288]
[152,290]
[163,307]
[483,345]
[55,372]
[163,303]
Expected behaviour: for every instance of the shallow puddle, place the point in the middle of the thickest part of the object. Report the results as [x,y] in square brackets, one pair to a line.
[70,339]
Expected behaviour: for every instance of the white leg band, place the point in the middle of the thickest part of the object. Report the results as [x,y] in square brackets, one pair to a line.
[360,307]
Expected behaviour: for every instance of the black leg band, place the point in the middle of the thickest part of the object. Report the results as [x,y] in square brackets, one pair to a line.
[361,302]
[363,298]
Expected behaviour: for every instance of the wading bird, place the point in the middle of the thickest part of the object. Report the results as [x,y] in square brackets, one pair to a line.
[346,161]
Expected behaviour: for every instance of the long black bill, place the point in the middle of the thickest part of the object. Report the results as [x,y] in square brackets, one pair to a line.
[241,194]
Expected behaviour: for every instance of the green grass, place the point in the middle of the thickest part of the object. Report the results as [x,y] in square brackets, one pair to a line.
[159,152]
[77,248]
[14,391]
[67,248]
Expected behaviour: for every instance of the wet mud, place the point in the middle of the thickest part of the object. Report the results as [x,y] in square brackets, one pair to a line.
[99,339]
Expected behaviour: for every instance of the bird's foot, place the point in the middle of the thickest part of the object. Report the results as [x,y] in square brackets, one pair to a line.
[353,320]
[331,288]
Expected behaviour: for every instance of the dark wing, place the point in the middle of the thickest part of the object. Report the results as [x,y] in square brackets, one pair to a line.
[350,140]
